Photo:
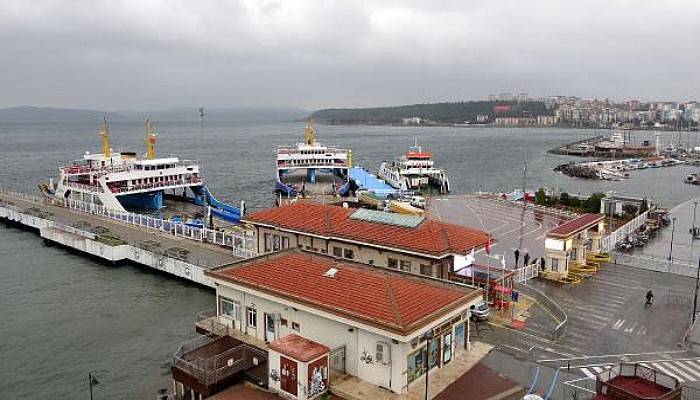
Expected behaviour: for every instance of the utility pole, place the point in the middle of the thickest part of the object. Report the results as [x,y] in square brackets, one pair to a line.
[697,285]
[673,229]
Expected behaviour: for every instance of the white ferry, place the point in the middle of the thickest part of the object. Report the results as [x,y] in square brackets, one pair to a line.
[311,168]
[126,182]
[414,170]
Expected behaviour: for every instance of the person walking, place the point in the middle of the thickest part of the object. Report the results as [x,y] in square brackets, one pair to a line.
[526,259]
[542,264]
[517,256]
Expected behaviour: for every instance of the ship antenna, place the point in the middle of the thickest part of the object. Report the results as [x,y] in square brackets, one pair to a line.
[310,132]
[150,140]
[104,132]
[202,114]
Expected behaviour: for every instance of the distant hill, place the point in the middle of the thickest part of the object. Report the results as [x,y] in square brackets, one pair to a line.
[49,114]
[441,113]
[242,115]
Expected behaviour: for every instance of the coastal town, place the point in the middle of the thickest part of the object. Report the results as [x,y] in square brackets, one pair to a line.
[349,200]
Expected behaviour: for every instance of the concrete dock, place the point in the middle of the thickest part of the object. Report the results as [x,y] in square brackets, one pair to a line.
[115,241]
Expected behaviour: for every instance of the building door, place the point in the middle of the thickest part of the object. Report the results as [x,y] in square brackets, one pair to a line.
[459,338]
[269,327]
[447,348]
[288,380]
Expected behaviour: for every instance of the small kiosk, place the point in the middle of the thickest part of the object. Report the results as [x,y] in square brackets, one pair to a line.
[298,367]
[567,247]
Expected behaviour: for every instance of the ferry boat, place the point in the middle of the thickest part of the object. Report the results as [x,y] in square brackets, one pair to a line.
[124,181]
[312,169]
[414,170]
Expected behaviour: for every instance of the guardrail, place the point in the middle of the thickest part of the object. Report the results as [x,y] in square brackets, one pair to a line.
[242,243]
[659,264]
[550,305]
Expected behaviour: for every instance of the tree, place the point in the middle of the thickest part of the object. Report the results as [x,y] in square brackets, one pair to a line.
[541,197]
[592,204]
[644,206]
[564,199]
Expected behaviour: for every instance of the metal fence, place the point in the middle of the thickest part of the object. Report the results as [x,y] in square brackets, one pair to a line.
[608,242]
[550,305]
[218,367]
[659,264]
[524,274]
[242,243]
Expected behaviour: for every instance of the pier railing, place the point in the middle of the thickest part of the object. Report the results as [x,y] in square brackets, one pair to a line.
[242,243]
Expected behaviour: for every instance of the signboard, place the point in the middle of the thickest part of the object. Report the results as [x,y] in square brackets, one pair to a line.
[501,108]
[554,244]
[462,265]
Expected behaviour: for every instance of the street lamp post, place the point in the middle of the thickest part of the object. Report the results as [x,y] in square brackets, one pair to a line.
[697,286]
[427,336]
[673,230]
[695,207]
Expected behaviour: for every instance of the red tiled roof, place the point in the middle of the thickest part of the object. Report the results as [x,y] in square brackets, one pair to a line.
[429,237]
[299,348]
[387,299]
[570,227]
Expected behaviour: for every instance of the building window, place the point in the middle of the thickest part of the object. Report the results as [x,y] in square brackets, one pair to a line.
[296,326]
[349,254]
[416,365]
[405,265]
[268,242]
[555,264]
[283,322]
[370,262]
[275,242]
[337,252]
[285,242]
[426,270]
[252,318]
[392,263]
[434,353]
[229,308]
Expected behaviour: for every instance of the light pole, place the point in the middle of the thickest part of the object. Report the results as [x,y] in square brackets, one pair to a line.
[697,285]
[427,336]
[673,229]
[695,207]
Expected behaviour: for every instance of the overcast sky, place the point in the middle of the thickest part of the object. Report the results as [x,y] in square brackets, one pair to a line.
[146,54]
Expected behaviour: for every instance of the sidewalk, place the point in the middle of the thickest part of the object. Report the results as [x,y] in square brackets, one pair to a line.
[352,388]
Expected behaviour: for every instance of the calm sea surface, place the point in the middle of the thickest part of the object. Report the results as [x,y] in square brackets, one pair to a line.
[64,315]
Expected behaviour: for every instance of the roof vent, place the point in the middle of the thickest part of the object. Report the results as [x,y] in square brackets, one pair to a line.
[331,273]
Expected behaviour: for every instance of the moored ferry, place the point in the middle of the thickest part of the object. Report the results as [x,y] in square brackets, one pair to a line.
[415,170]
[311,169]
[125,181]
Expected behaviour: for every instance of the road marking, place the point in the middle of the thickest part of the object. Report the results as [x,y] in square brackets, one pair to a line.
[618,324]
[598,369]
[642,332]
[665,371]
[679,372]
[587,373]
[692,369]
[631,328]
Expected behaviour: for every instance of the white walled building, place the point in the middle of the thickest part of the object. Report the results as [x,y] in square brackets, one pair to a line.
[372,318]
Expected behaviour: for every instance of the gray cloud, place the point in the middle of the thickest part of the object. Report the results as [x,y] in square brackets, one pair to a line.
[157,54]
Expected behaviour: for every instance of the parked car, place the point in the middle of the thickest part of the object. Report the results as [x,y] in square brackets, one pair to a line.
[418,201]
[480,312]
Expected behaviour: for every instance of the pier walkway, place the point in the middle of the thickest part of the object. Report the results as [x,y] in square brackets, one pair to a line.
[115,240]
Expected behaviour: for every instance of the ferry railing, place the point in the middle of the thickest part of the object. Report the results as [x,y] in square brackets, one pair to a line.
[164,184]
[242,243]
[82,186]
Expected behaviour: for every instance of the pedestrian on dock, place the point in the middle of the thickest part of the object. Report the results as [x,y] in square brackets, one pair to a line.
[526,259]
[517,256]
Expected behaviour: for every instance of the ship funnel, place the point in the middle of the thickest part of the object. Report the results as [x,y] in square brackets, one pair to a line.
[150,140]
[310,132]
[104,132]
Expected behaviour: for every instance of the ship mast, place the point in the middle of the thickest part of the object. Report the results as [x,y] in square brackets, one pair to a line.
[104,132]
[150,140]
[310,132]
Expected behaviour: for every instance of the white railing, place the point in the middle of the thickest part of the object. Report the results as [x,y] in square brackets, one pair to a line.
[608,242]
[242,243]
[82,186]
[524,274]
[22,196]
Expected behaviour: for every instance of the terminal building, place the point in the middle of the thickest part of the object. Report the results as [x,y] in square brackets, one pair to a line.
[414,244]
[318,318]
[568,245]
